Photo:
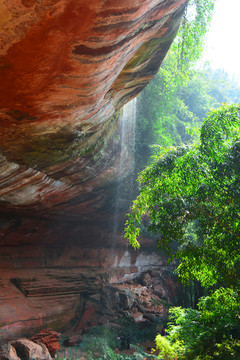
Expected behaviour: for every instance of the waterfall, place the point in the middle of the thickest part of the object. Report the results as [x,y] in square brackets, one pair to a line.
[126,182]
[128,134]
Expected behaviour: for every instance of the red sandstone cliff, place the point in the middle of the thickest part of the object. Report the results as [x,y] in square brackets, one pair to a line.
[66,68]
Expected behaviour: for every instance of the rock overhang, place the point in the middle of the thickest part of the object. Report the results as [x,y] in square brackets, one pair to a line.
[67,67]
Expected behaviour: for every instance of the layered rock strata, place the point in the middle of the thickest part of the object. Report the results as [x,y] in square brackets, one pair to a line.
[49,338]
[67,67]
[67,287]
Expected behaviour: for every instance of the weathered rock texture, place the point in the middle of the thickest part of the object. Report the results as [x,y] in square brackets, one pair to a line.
[66,69]
[27,349]
[49,338]
[8,352]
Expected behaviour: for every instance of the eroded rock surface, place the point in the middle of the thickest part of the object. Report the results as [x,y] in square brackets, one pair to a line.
[141,303]
[8,352]
[49,338]
[66,69]
[27,349]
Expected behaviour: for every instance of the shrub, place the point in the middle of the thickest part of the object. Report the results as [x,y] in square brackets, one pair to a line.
[167,350]
[211,332]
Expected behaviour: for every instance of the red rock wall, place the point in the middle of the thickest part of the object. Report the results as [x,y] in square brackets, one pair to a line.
[66,69]
[59,281]
[66,66]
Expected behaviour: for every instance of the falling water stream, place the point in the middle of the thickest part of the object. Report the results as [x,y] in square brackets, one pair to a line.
[126,182]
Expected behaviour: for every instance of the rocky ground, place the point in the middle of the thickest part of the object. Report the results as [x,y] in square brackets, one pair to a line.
[142,300]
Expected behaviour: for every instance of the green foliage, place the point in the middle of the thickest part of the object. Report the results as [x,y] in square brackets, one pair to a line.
[172,107]
[139,334]
[98,348]
[101,343]
[167,351]
[108,337]
[101,351]
[140,354]
[190,196]
[104,352]
[196,184]
[171,110]
[212,331]
[189,42]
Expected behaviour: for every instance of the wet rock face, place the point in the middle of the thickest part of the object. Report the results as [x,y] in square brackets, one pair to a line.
[66,69]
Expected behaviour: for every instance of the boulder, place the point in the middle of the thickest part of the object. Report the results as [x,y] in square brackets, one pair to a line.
[126,299]
[154,273]
[138,316]
[49,338]
[27,349]
[146,279]
[7,352]
[73,340]
[160,291]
